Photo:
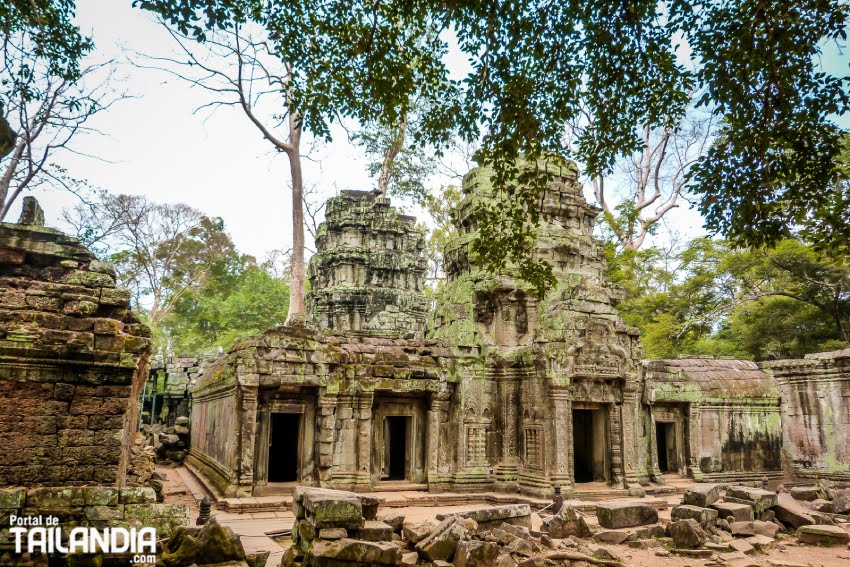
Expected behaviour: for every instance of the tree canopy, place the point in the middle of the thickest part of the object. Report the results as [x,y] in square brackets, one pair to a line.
[535,67]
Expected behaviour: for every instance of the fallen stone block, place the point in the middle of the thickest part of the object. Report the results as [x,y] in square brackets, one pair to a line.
[823,535]
[841,500]
[739,512]
[409,559]
[760,542]
[687,534]
[743,528]
[476,554]
[767,529]
[702,495]
[705,516]
[327,508]
[820,505]
[742,546]
[737,559]
[332,533]
[805,493]
[373,530]
[758,498]
[567,522]
[354,551]
[789,511]
[517,514]
[416,532]
[442,541]
[393,519]
[369,505]
[613,515]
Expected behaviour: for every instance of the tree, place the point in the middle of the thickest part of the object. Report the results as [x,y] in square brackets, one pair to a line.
[708,298]
[650,182]
[238,300]
[161,251]
[312,87]
[535,66]
[46,97]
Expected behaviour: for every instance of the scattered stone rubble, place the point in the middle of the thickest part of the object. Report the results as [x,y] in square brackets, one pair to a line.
[169,443]
[342,529]
[211,544]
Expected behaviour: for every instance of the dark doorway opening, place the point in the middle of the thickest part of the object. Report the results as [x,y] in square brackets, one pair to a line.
[590,445]
[665,439]
[396,447]
[661,441]
[583,445]
[283,447]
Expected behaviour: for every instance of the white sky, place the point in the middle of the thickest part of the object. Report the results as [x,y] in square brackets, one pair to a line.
[154,145]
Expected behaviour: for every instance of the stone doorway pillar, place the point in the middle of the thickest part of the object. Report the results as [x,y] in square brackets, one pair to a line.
[248,434]
[326,419]
[561,407]
[506,470]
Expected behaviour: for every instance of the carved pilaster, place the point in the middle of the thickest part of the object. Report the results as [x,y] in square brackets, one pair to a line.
[562,415]
[248,419]
[508,387]
[363,414]
[693,426]
[629,436]
[327,426]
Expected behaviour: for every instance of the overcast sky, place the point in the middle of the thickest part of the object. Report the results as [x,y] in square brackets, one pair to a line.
[155,145]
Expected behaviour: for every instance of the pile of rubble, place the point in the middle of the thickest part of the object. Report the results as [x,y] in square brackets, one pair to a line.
[141,470]
[728,525]
[724,527]
[341,529]
[170,443]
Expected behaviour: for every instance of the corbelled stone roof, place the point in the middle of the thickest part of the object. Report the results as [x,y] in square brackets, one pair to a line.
[704,377]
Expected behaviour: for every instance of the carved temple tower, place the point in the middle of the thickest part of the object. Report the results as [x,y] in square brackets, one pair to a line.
[368,272]
[561,374]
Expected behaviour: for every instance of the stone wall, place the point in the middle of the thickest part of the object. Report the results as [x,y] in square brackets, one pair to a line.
[72,360]
[815,394]
[723,416]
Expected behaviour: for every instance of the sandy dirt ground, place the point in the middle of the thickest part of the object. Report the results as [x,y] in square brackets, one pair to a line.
[181,488]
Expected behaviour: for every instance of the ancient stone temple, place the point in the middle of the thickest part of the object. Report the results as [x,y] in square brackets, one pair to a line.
[493,387]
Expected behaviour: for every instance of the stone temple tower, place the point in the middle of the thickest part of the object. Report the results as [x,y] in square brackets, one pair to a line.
[368,273]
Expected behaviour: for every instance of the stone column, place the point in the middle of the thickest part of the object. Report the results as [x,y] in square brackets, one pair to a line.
[436,451]
[363,414]
[653,447]
[327,426]
[248,420]
[506,471]
[693,427]
[561,401]
[629,416]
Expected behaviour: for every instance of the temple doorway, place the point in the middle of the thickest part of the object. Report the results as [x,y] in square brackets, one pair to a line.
[590,445]
[665,439]
[283,447]
[396,461]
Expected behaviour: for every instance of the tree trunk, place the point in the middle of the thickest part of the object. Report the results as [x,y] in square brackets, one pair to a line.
[296,283]
[392,152]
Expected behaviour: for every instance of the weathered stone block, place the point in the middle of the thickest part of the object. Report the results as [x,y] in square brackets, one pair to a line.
[702,495]
[327,508]
[441,543]
[790,512]
[164,517]
[516,514]
[373,530]
[758,498]
[739,512]
[824,535]
[687,534]
[614,515]
[704,516]
[12,498]
[354,552]
[137,495]
[100,513]
[805,493]
[476,554]
[567,522]
[841,500]
[101,496]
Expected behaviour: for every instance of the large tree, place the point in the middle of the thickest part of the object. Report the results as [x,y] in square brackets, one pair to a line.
[161,251]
